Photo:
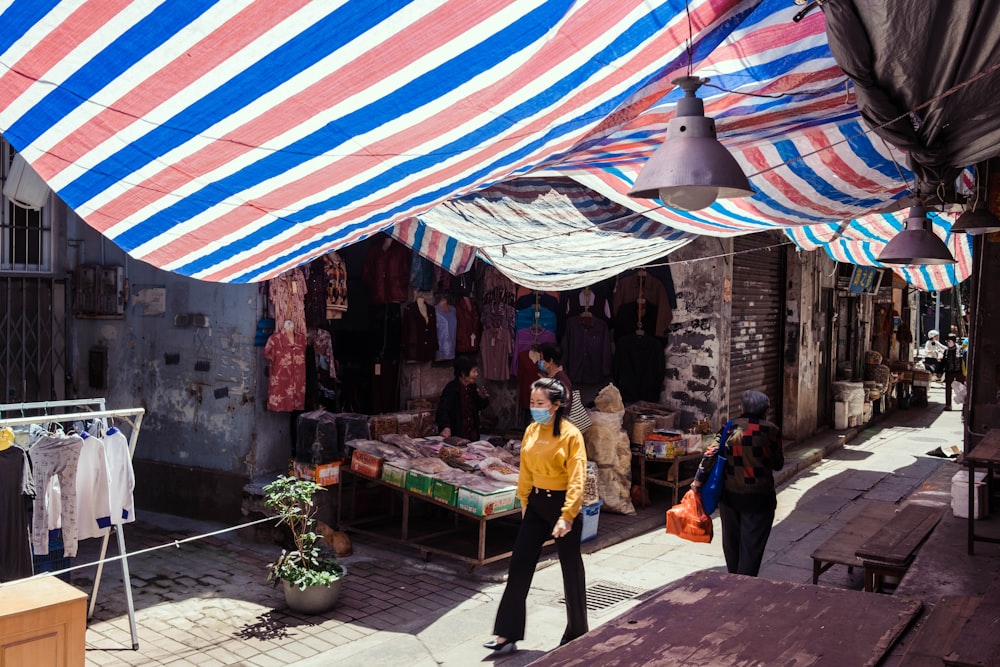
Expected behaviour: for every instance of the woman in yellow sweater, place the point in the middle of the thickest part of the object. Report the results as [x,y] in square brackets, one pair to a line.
[550,488]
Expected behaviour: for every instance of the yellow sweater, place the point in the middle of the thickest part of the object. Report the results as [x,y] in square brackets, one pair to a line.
[556,463]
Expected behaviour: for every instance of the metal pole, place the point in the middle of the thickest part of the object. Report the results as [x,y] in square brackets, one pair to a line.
[937,311]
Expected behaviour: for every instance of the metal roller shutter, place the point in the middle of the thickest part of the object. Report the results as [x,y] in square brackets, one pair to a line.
[757,321]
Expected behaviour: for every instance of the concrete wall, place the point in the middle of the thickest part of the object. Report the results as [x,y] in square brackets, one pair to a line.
[202,387]
[698,349]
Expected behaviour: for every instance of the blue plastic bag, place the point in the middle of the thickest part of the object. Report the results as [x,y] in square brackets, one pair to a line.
[711,490]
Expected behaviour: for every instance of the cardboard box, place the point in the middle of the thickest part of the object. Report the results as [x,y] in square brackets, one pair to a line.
[393,475]
[591,515]
[445,492]
[664,444]
[367,464]
[486,503]
[419,483]
[324,474]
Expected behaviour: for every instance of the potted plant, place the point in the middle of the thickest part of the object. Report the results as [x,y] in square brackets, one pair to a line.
[310,574]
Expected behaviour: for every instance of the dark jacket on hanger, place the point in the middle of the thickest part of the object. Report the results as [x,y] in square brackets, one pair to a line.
[653,291]
[470,328]
[420,340]
[640,365]
[386,273]
[587,349]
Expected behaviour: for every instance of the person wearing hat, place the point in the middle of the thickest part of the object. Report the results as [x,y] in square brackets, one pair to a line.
[933,352]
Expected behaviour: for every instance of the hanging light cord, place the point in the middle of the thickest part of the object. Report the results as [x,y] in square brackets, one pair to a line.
[690,39]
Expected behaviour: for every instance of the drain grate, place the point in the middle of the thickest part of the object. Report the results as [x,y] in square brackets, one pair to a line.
[606,594]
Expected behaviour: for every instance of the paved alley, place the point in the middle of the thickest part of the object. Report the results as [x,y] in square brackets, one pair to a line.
[206,603]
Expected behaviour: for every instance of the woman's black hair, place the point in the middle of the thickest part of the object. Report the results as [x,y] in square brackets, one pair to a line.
[556,392]
[551,352]
[464,366]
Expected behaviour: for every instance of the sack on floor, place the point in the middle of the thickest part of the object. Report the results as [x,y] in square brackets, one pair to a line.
[688,520]
[958,391]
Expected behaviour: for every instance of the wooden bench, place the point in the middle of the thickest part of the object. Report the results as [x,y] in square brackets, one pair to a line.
[890,551]
[842,547]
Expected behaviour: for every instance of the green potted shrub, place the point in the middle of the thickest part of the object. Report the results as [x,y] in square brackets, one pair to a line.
[310,573]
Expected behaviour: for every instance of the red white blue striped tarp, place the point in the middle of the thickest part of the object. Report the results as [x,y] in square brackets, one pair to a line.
[231,141]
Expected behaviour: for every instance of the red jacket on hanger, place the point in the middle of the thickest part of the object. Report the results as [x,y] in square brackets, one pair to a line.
[387,271]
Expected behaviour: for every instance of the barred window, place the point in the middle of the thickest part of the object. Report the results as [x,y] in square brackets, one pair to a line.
[25,234]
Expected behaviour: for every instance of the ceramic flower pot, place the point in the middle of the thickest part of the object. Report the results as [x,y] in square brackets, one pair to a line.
[314,599]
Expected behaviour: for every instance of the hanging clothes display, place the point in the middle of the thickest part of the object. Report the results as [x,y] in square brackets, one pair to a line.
[638,285]
[386,273]
[420,334]
[447,328]
[469,333]
[287,293]
[639,367]
[286,350]
[93,489]
[496,350]
[422,273]
[16,489]
[587,300]
[314,301]
[336,285]
[627,319]
[587,349]
[55,455]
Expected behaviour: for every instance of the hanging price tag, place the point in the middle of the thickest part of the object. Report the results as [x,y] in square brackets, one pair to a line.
[378,369]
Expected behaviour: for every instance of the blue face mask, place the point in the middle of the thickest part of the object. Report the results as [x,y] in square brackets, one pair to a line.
[541,415]
[541,366]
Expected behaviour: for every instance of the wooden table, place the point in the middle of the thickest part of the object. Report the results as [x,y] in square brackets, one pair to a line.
[842,547]
[714,618]
[672,478]
[890,551]
[358,525]
[986,453]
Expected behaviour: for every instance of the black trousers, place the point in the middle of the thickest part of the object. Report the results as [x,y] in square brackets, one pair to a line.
[949,379]
[544,508]
[744,536]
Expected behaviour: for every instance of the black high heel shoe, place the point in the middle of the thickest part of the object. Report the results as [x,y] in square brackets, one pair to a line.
[506,646]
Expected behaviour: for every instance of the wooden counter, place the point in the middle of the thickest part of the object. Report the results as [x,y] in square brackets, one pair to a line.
[42,622]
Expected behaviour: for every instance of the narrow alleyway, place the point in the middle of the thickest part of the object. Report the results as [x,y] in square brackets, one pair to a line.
[206,603]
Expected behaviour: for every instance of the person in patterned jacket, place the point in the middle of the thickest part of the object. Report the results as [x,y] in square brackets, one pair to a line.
[748,499]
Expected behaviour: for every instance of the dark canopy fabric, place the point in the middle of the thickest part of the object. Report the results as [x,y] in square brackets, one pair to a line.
[903,56]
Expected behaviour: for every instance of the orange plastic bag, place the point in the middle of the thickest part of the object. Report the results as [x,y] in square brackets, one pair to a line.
[688,519]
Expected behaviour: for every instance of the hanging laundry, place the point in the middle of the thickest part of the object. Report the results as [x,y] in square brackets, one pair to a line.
[16,489]
[93,489]
[121,477]
[55,455]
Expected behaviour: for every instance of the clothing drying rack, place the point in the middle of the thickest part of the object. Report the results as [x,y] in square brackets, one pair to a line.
[131,416]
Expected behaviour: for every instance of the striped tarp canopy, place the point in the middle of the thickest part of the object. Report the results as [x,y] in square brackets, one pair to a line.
[231,141]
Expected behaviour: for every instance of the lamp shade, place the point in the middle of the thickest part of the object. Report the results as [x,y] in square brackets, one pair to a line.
[916,244]
[23,186]
[977,220]
[691,169]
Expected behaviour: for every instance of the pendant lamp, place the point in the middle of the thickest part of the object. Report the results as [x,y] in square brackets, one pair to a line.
[976,220]
[916,244]
[691,169]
